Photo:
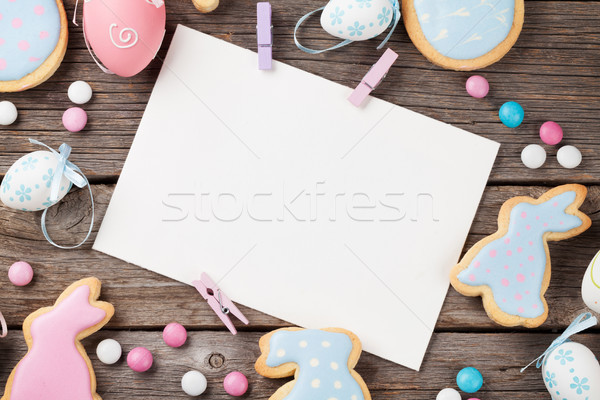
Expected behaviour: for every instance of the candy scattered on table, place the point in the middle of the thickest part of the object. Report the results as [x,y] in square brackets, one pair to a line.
[20,273]
[139,359]
[569,156]
[533,156]
[193,383]
[109,351]
[8,113]
[174,335]
[448,394]
[477,86]
[80,92]
[469,380]
[74,119]
[235,383]
[551,133]
[511,114]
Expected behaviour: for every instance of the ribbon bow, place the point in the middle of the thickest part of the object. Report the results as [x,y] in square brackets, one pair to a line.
[66,169]
[581,323]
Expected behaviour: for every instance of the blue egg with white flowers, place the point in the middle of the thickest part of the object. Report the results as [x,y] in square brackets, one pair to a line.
[469,380]
[511,114]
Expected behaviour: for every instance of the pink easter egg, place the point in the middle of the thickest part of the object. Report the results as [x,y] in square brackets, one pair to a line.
[74,119]
[174,335]
[124,35]
[477,86]
[551,133]
[20,273]
[139,359]
[235,383]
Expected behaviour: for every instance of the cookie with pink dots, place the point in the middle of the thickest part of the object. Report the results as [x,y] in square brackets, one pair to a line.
[510,269]
[33,42]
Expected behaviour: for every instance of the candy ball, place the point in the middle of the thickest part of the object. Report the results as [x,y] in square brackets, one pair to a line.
[448,394]
[74,119]
[174,335]
[20,273]
[109,351]
[139,359]
[469,380]
[193,383]
[80,92]
[533,156]
[235,383]
[477,86]
[551,133]
[511,114]
[8,113]
[569,156]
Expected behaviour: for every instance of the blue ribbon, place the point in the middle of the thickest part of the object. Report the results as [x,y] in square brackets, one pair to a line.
[394,23]
[67,169]
[581,323]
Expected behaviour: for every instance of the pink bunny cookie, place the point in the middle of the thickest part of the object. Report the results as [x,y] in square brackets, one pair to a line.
[56,367]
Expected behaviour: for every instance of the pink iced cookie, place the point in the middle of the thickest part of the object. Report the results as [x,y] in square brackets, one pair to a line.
[477,86]
[74,119]
[174,335]
[551,133]
[235,383]
[20,273]
[140,359]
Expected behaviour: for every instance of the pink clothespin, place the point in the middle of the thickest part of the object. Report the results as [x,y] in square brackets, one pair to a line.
[373,78]
[219,301]
[264,33]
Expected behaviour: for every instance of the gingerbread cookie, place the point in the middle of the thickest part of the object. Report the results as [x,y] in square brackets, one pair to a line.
[56,367]
[321,360]
[463,34]
[33,41]
[510,269]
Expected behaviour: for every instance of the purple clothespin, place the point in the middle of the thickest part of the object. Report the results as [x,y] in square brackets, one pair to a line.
[218,301]
[264,33]
[373,78]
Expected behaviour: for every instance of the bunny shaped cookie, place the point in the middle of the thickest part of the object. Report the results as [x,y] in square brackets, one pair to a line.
[56,367]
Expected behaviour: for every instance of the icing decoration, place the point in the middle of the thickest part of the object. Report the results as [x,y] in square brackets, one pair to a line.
[324,362]
[354,20]
[513,265]
[29,33]
[56,367]
[465,29]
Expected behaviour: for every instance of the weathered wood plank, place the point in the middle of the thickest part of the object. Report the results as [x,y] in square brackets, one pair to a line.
[146,299]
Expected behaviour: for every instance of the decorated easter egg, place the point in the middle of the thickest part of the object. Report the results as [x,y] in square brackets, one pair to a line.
[357,19]
[27,184]
[590,287]
[124,35]
[572,372]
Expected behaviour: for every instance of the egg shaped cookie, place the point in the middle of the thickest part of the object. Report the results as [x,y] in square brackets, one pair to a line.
[33,41]
[463,35]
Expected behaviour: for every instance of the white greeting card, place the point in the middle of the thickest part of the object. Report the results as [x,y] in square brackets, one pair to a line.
[297,203]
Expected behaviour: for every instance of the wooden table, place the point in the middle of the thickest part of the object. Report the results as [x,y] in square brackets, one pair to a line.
[552,71]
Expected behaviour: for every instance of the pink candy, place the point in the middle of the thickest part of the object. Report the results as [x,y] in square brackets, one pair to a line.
[477,86]
[551,133]
[235,383]
[174,335]
[20,273]
[139,359]
[74,119]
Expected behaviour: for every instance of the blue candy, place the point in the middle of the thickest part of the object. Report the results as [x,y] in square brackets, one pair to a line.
[511,114]
[469,379]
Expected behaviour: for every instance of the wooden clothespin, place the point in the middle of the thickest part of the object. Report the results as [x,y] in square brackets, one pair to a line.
[373,78]
[264,34]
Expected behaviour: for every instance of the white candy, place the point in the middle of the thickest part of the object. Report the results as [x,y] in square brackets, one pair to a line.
[108,351]
[533,156]
[569,156]
[193,383]
[448,394]
[80,92]
[8,113]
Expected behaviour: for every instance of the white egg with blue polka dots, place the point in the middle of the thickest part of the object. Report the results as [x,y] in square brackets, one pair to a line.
[27,184]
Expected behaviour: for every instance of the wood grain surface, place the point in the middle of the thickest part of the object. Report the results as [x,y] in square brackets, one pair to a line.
[552,71]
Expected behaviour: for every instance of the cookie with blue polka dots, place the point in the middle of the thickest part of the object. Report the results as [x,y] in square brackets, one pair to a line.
[322,362]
